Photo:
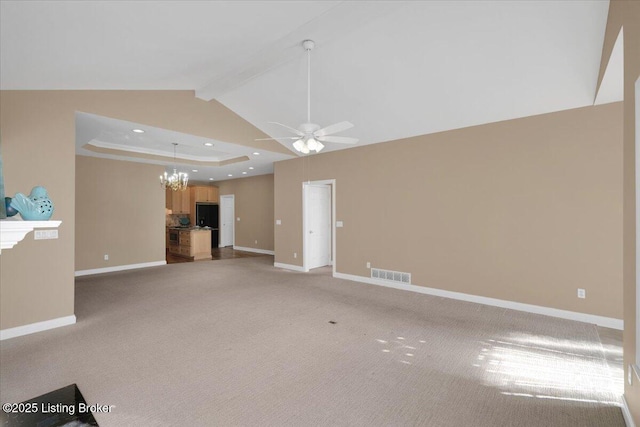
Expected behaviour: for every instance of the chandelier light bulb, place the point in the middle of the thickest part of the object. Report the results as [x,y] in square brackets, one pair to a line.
[178,180]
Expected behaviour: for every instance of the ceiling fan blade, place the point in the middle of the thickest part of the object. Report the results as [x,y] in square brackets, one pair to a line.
[296,131]
[335,128]
[276,138]
[338,139]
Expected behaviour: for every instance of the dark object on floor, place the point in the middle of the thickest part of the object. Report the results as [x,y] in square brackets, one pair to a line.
[333,322]
[63,407]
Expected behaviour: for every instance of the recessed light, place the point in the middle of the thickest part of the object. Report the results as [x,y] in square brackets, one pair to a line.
[210,179]
[194,170]
[255,153]
[230,175]
[208,144]
[138,131]
[251,167]
[244,173]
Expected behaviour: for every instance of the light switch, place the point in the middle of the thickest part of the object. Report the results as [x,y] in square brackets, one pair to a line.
[339,224]
[278,222]
[238,219]
[45,234]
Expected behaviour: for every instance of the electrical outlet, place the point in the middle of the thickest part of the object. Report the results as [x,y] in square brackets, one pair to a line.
[256,242]
[106,257]
[582,293]
[295,254]
[368,265]
[238,218]
[339,224]
[278,222]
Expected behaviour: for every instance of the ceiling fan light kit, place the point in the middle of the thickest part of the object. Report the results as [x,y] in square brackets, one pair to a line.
[308,144]
[309,136]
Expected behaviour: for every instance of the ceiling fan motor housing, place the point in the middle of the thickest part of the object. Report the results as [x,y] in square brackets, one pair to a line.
[308,128]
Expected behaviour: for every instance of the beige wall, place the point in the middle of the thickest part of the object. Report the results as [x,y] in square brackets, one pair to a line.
[627,14]
[525,210]
[38,148]
[254,207]
[120,211]
[36,277]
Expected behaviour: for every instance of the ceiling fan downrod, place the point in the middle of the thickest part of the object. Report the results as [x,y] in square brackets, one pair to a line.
[308,45]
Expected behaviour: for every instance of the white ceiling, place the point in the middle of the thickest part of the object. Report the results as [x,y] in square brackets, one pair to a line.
[612,86]
[394,69]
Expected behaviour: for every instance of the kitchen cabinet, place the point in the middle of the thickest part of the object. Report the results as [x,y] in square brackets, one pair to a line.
[194,244]
[206,194]
[184,238]
[200,244]
[178,201]
[202,194]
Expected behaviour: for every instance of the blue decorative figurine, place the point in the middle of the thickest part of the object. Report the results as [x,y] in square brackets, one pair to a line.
[8,209]
[36,207]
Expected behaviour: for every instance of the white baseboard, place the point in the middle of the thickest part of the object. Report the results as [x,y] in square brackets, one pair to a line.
[626,413]
[290,267]
[31,328]
[254,250]
[607,322]
[119,268]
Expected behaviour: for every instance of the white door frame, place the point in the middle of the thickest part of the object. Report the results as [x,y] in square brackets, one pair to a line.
[332,182]
[636,366]
[228,198]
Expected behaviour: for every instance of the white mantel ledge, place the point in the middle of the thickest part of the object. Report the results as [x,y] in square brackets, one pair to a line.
[13,230]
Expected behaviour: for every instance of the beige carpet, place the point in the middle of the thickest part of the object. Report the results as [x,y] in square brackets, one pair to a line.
[239,342]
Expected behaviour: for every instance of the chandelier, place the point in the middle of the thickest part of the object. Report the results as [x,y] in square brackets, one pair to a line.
[176,181]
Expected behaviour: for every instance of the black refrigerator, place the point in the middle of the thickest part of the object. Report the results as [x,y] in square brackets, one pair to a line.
[207,216]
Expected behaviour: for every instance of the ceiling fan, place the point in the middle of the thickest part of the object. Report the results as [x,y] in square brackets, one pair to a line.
[309,136]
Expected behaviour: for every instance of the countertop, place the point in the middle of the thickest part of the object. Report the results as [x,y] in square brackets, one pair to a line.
[194,228]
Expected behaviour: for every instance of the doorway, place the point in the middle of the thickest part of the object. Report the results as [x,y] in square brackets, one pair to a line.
[318,218]
[227,220]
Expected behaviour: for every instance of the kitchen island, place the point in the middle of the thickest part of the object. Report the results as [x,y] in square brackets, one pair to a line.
[194,242]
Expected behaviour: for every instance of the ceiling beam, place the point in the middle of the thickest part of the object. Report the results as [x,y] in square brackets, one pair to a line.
[615,18]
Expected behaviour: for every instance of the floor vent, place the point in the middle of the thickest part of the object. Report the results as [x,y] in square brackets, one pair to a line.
[392,276]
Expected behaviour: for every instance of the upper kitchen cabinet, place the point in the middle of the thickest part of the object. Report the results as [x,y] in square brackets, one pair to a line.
[201,194]
[178,201]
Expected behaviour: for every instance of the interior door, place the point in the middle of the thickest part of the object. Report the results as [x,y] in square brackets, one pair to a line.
[318,226]
[227,214]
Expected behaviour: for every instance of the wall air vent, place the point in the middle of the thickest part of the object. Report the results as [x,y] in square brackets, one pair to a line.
[391,276]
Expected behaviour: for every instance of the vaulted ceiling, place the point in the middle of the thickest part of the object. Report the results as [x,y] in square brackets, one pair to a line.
[394,69]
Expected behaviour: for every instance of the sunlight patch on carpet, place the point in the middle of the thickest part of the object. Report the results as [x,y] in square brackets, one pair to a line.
[543,367]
